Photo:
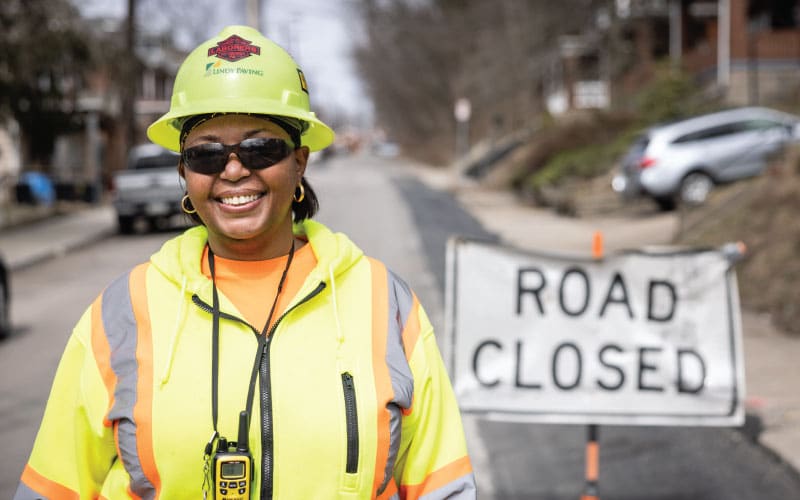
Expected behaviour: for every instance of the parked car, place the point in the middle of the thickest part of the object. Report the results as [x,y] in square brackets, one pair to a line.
[148,188]
[5,300]
[681,162]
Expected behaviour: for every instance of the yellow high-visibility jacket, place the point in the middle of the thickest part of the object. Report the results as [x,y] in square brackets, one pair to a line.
[358,402]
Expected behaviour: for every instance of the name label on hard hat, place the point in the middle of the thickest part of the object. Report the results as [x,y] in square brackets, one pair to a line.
[634,338]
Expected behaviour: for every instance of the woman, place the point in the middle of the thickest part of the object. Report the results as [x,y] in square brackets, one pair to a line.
[258,326]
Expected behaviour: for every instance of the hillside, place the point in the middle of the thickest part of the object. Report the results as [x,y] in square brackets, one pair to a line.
[764,213]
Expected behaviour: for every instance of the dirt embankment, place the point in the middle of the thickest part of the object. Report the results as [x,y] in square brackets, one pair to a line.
[764,213]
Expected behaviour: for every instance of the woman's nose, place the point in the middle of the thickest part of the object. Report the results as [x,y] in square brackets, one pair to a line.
[234,169]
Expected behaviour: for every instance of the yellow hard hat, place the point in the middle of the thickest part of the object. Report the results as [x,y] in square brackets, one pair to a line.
[239,71]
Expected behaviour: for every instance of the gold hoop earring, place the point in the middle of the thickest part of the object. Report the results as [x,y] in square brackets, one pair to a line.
[298,199]
[191,210]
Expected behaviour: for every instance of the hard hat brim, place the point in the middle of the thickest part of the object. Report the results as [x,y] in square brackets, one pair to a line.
[163,131]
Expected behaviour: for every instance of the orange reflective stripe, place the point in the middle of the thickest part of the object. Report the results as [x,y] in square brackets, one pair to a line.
[44,486]
[142,411]
[411,329]
[102,354]
[383,383]
[438,479]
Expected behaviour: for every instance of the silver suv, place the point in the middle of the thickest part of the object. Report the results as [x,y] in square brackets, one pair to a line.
[682,161]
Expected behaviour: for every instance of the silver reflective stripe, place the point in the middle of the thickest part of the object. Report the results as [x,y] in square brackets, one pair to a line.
[120,327]
[395,427]
[25,493]
[462,488]
[400,302]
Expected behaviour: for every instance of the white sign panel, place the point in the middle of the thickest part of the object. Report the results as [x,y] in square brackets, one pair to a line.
[634,338]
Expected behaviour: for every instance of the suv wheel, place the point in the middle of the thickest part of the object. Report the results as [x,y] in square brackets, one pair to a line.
[665,203]
[695,188]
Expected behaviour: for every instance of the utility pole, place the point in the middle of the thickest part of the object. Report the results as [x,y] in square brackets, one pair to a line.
[131,78]
[253,12]
[724,44]
[614,53]
[675,34]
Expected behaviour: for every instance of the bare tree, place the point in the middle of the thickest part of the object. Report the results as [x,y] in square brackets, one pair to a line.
[419,57]
[43,49]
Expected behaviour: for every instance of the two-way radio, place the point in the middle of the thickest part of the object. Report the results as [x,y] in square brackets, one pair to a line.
[233,466]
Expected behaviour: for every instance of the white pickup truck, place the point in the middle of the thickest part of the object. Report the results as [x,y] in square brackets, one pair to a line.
[148,189]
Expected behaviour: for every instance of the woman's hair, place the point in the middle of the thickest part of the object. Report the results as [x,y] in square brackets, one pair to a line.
[309,206]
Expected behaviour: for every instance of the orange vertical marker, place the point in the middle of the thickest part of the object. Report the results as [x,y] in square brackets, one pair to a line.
[590,491]
[597,245]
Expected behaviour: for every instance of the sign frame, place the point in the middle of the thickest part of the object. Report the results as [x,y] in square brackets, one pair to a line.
[733,415]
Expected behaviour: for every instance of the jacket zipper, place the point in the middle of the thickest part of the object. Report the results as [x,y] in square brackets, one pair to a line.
[266,402]
[207,308]
[351,415]
[266,384]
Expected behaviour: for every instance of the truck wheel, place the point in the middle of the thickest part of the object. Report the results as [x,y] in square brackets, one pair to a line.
[126,223]
[5,321]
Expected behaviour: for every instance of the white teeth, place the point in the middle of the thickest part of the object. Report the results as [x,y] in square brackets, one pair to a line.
[239,200]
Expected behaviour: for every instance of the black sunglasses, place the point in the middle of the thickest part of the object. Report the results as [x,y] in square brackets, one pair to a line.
[255,153]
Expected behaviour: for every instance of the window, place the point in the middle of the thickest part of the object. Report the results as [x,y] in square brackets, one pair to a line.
[164,160]
[762,124]
[780,14]
[713,132]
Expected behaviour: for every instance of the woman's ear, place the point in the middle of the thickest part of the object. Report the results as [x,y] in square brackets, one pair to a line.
[301,159]
[181,169]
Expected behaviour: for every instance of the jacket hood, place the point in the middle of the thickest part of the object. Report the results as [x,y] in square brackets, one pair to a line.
[179,258]
[178,261]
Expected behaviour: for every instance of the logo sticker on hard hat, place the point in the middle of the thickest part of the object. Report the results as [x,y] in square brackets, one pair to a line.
[234,48]
[303,83]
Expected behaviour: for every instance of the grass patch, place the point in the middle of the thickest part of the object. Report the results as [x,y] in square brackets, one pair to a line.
[583,162]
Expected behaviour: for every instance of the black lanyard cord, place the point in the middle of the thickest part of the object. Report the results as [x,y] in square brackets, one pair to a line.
[262,339]
[214,342]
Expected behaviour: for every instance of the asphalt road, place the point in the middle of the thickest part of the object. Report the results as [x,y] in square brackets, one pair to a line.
[48,299]
[397,219]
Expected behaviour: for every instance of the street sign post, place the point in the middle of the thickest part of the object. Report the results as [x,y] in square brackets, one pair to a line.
[462,111]
[636,338]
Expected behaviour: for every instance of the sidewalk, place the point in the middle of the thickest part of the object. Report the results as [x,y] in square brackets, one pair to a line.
[772,369]
[37,234]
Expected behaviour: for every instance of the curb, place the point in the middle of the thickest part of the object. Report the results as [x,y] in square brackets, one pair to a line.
[42,237]
[58,249]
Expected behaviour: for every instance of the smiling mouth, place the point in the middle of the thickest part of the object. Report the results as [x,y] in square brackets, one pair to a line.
[235,201]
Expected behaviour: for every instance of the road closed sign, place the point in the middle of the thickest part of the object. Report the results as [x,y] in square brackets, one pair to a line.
[635,338]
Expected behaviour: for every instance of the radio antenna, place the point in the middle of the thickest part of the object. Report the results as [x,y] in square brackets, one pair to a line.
[243,426]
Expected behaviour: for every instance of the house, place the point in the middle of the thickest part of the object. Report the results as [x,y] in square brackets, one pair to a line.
[743,51]
[85,158]
[750,49]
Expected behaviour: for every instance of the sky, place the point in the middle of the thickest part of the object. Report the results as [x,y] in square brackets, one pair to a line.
[317,33]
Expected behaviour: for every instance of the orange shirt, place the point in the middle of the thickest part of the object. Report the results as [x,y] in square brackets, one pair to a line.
[251,284]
